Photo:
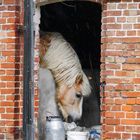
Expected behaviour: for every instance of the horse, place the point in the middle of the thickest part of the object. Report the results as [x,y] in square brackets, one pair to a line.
[47,101]
[58,56]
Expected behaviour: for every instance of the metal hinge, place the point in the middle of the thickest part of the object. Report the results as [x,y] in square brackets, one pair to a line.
[21,28]
[102,84]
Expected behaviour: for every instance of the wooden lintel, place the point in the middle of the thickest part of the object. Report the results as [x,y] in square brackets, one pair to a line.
[44,2]
[0,2]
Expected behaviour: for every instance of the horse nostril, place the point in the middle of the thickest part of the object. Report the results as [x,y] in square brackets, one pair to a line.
[70,119]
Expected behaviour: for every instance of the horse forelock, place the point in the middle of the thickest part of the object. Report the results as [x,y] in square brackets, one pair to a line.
[64,63]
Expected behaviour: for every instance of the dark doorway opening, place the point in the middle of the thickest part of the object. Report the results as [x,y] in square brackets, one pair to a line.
[80,23]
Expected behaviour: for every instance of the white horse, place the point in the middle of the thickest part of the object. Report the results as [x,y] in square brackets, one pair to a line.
[57,55]
[47,101]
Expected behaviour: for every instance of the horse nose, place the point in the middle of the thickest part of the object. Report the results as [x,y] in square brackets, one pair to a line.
[70,119]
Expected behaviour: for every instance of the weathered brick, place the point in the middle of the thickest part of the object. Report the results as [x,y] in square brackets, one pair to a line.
[131,67]
[130,94]
[127,108]
[9,1]
[130,115]
[130,101]
[130,122]
[113,135]
[120,128]
[126,136]
[111,121]
[121,19]
[125,73]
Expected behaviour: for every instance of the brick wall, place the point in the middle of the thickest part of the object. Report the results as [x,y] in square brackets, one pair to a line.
[121,69]
[11,60]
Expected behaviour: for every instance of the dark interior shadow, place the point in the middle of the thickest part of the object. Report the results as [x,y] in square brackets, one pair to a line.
[80,23]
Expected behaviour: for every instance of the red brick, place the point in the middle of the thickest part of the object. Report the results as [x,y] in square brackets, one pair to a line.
[125,73]
[130,12]
[120,128]
[2,8]
[130,128]
[8,14]
[116,108]
[136,108]
[10,116]
[131,67]
[9,2]
[8,40]
[109,20]
[1,136]
[114,13]
[2,72]
[136,80]
[113,66]
[8,91]
[111,121]
[119,101]
[130,121]
[13,84]
[107,72]
[122,6]
[133,60]
[13,97]
[127,108]
[127,26]
[13,20]
[8,27]
[131,33]
[109,114]
[120,33]
[12,110]
[113,26]
[2,20]
[108,127]
[119,114]
[2,110]
[118,80]
[10,65]
[126,135]
[112,135]
[137,26]
[130,101]
[130,115]
[113,53]
[132,6]
[138,129]
[2,85]
[130,94]
[122,87]
[137,101]
[14,8]
[136,136]
[121,19]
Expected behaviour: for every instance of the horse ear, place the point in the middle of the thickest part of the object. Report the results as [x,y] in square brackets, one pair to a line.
[79,80]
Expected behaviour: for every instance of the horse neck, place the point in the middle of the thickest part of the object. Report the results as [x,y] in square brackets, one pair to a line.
[47,101]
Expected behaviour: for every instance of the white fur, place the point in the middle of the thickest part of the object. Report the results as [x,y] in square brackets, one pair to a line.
[62,60]
[47,101]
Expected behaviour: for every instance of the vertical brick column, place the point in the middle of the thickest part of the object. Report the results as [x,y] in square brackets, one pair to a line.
[11,63]
[120,69]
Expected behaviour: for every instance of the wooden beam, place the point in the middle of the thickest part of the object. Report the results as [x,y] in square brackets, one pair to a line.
[43,2]
[0,2]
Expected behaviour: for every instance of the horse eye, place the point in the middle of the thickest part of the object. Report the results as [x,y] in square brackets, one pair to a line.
[78,95]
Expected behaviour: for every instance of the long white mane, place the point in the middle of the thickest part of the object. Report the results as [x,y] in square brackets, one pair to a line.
[64,63]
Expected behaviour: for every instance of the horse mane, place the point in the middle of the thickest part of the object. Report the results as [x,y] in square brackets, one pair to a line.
[63,61]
